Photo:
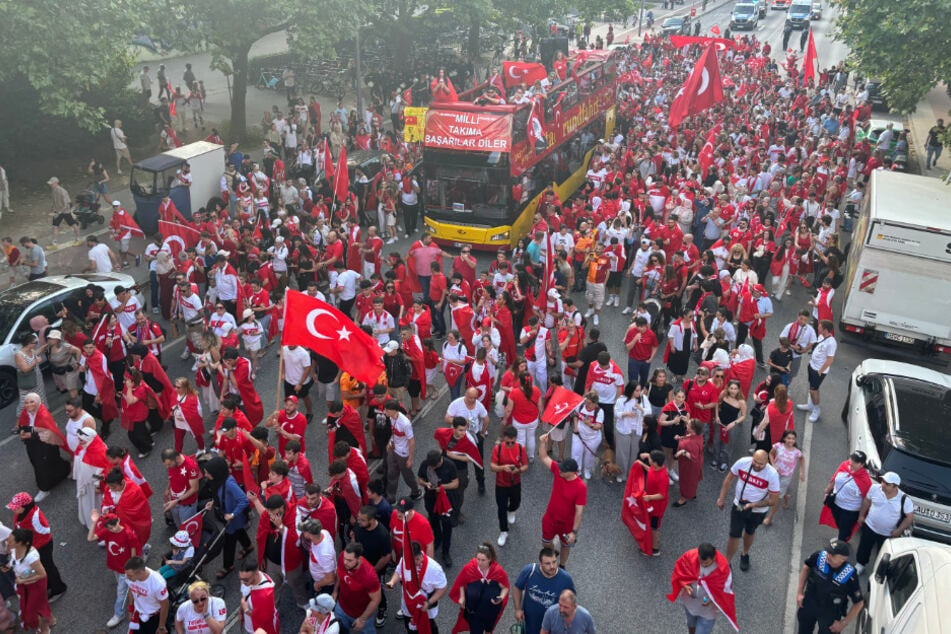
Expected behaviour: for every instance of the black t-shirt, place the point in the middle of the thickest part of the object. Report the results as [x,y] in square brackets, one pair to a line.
[657,394]
[831,588]
[588,355]
[376,543]
[326,369]
[445,473]
[780,358]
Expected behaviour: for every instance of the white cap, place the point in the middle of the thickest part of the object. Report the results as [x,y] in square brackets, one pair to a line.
[391,346]
[116,203]
[553,292]
[892,478]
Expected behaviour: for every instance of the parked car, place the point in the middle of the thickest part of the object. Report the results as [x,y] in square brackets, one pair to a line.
[46,297]
[800,13]
[875,129]
[898,413]
[911,581]
[745,16]
[877,96]
[780,4]
[816,10]
[677,25]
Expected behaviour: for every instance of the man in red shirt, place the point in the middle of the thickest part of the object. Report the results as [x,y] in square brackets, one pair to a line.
[181,493]
[232,444]
[290,425]
[641,344]
[569,494]
[357,589]
[438,294]
[702,397]
[121,544]
[419,529]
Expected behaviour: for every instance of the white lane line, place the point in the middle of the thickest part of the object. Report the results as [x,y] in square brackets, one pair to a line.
[795,548]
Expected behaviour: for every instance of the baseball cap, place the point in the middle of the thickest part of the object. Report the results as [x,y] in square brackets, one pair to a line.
[20,500]
[322,603]
[838,547]
[181,539]
[228,424]
[568,465]
[291,398]
[247,313]
[391,346]
[55,334]
[553,292]
[52,181]
[402,505]
[274,501]
[759,288]
[892,478]
[116,203]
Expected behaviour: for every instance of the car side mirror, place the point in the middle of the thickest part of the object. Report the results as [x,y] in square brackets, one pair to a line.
[861,380]
[881,570]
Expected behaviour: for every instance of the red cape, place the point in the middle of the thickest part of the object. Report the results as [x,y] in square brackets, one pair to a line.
[743,372]
[132,473]
[470,574]
[133,510]
[151,365]
[718,584]
[414,351]
[634,510]
[864,482]
[350,419]
[95,455]
[465,445]
[264,615]
[43,420]
[105,387]
[250,400]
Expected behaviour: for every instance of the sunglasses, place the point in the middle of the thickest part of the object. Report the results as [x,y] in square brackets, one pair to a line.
[199,600]
[509,443]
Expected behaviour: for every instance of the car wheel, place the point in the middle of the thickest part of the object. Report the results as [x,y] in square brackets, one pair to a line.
[8,387]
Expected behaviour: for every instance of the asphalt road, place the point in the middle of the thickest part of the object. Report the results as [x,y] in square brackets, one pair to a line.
[623,590]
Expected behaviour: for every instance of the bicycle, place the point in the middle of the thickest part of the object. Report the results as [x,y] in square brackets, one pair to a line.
[269,79]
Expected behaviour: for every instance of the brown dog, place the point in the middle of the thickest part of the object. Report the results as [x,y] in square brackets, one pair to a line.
[609,468]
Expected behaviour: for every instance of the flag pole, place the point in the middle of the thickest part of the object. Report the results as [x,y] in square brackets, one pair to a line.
[333,204]
[280,366]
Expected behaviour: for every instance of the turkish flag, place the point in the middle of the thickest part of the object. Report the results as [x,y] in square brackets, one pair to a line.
[342,178]
[320,327]
[701,90]
[634,509]
[561,403]
[413,595]
[178,236]
[247,475]
[193,525]
[536,128]
[408,96]
[715,29]
[527,73]
[717,584]
[649,61]
[706,156]
[810,60]
[747,305]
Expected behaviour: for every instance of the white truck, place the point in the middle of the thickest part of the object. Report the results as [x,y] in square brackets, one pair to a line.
[898,273]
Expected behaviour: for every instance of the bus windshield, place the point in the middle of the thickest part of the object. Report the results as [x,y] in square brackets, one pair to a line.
[469,194]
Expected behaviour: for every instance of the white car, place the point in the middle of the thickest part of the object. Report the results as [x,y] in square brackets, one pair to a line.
[816,10]
[908,588]
[45,296]
[900,415]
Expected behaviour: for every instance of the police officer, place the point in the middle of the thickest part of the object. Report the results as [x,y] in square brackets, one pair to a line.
[827,583]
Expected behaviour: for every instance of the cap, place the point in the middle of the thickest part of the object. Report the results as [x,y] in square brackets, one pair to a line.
[568,465]
[391,346]
[322,603]
[859,456]
[86,433]
[279,239]
[52,181]
[181,539]
[838,547]
[553,292]
[402,505]
[892,478]
[759,288]
[645,241]
[54,334]
[116,203]
[20,500]
[291,398]
[247,313]
[486,323]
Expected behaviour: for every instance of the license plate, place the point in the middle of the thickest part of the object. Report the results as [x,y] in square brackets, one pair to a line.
[899,338]
[932,514]
[458,245]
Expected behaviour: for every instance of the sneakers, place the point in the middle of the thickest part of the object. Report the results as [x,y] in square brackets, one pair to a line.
[814,416]
[587,474]
[804,407]
[510,517]
[503,537]
[619,479]
[138,260]
[146,550]
[627,311]
[596,321]
[723,467]
[859,568]
[40,496]
[744,562]
[655,552]
[674,475]
[155,310]
[114,621]
[418,494]
[380,619]
[589,314]
[185,354]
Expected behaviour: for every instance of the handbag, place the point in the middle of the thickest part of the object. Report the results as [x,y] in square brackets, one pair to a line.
[830,498]
[741,502]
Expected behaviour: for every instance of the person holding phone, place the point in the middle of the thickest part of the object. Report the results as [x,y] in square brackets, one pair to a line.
[481,590]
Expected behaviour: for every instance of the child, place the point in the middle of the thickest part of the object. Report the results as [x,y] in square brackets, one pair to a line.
[780,360]
[785,455]
[251,333]
[182,553]
[432,361]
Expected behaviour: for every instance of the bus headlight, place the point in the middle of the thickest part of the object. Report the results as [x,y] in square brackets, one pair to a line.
[428,228]
[499,237]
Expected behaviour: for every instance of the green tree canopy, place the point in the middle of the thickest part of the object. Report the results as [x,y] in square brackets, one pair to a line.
[906,44]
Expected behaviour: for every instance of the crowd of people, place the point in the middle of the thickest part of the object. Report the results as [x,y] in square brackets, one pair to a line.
[700,229]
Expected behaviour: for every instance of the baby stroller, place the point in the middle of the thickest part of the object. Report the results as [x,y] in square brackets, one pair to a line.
[209,547]
[86,209]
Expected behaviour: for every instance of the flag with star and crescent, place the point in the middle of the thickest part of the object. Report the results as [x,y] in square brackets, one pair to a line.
[634,511]
[323,329]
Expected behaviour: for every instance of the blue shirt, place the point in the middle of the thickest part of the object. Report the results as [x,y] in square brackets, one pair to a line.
[539,593]
[554,623]
[534,251]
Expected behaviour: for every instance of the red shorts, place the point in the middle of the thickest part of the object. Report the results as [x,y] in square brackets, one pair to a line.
[552,528]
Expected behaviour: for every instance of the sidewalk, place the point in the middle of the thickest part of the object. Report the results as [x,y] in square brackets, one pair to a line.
[935,105]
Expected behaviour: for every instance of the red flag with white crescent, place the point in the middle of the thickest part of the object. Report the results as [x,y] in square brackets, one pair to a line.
[810,61]
[178,236]
[527,73]
[193,526]
[706,156]
[701,90]
[717,584]
[413,595]
[561,403]
[634,512]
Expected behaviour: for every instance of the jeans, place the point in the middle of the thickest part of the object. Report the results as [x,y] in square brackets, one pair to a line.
[507,500]
[526,436]
[181,512]
[424,281]
[699,624]
[607,410]
[455,390]
[396,466]
[639,369]
[932,151]
[153,289]
[122,592]
[439,317]
[442,528]
[347,621]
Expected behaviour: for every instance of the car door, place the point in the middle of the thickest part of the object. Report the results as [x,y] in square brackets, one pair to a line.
[48,307]
[902,593]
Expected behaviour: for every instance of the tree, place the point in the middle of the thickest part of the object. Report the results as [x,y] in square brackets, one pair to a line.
[66,50]
[228,29]
[904,44]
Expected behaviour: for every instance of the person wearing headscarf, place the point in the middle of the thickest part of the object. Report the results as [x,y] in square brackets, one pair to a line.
[89,467]
[742,367]
[43,440]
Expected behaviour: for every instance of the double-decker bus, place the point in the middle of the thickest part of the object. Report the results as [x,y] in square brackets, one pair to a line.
[484,175]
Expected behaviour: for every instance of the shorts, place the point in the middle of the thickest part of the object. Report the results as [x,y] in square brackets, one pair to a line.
[415,388]
[595,295]
[124,244]
[68,217]
[254,346]
[304,389]
[655,522]
[784,481]
[741,522]
[327,391]
[815,379]
[557,434]
[699,624]
[100,188]
[614,279]
[552,529]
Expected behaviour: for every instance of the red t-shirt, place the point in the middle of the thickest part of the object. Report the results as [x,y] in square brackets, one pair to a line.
[502,455]
[657,482]
[524,410]
[419,531]
[178,477]
[296,425]
[118,546]
[137,412]
[701,395]
[356,586]
[565,495]
[437,285]
[642,349]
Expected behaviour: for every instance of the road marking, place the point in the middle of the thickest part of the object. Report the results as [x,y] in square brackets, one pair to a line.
[792,584]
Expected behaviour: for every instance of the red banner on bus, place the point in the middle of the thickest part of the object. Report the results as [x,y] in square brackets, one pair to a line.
[473,131]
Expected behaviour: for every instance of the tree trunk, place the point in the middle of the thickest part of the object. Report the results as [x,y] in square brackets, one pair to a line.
[475,34]
[239,110]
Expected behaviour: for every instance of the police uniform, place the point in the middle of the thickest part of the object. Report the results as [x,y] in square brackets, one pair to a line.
[827,594]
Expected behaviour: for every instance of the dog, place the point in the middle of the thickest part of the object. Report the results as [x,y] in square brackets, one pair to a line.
[610,470]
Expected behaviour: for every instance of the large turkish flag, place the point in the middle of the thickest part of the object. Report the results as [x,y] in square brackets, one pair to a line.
[701,90]
[634,512]
[517,73]
[320,327]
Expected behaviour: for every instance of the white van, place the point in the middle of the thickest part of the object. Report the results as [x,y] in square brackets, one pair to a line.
[908,589]
[898,274]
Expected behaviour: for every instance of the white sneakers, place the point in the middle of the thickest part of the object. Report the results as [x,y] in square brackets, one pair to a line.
[114,621]
[814,416]
[859,568]
[804,407]
[627,311]
[596,321]
[587,474]
[588,314]
[185,354]
[511,517]
[503,537]
[40,496]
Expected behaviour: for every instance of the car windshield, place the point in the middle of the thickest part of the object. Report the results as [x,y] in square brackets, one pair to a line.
[920,478]
[801,7]
[14,302]
[924,412]
[743,9]
[673,21]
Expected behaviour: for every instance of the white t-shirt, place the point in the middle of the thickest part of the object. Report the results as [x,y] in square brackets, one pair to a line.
[474,415]
[848,497]
[22,567]
[100,255]
[126,318]
[322,558]
[347,280]
[296,362]
[432,580]
[194,622]
[402,432]
[823,349]
[759,484]
[149,594]
[382,322]
[885,514]
[804,337]
[595,416]
[151,250]
[629,415]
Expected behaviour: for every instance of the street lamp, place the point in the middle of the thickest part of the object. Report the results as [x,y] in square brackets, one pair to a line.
[640,20]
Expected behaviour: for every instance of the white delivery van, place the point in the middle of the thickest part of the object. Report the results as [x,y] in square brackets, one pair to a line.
[908,589]
[898,273]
